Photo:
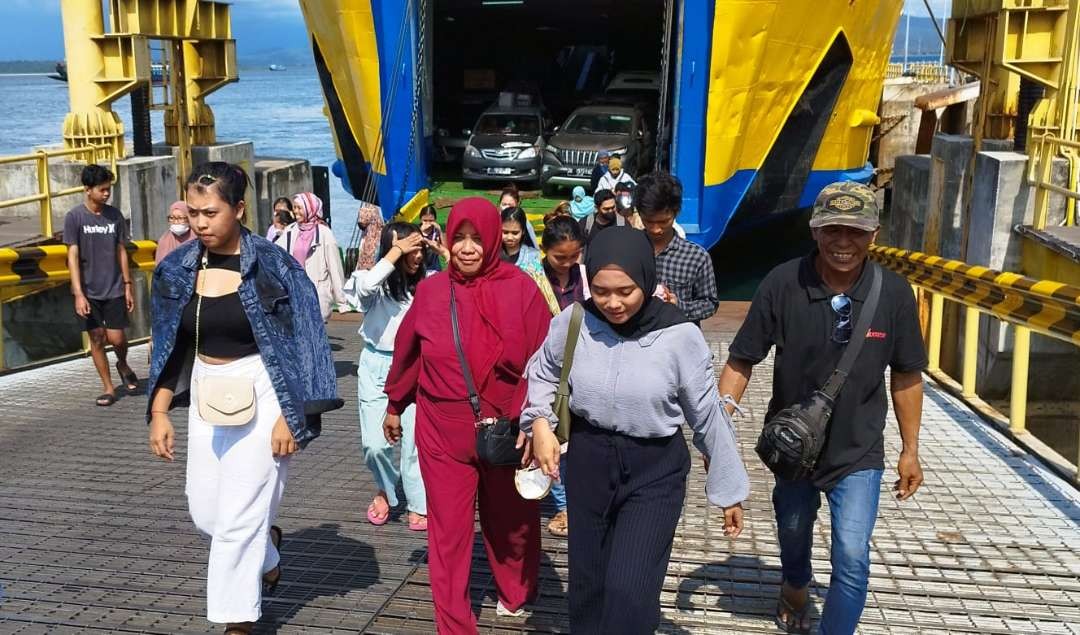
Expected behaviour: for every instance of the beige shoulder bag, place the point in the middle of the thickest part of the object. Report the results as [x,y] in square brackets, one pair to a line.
[223,401]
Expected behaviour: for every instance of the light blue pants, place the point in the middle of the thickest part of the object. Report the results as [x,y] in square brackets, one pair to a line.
[371,374]
[558,490]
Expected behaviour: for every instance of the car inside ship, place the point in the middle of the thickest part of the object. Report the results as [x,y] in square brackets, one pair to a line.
[595,74]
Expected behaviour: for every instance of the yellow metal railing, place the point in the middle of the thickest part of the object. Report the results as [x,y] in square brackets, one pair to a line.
[30,270]
[1030,306]
[922,72]
[45,193]
[1043,149]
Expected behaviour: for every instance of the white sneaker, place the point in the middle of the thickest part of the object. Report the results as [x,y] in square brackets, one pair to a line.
[502,611]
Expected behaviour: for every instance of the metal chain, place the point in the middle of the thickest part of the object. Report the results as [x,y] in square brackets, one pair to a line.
[418,83]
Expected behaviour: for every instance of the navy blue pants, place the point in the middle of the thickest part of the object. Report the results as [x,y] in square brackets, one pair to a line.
[625,496]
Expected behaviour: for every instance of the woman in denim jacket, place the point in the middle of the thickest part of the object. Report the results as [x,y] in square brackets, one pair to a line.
[237,325]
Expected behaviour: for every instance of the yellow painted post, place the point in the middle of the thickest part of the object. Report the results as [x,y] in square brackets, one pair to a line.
[1018,398]
[937,308]
[2,365]
[971,350]
[45,188]
[1042,195]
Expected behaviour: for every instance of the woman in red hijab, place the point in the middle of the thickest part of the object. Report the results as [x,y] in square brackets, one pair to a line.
[503,319]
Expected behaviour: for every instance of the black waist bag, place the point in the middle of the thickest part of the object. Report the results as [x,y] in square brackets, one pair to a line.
[495,436]
[792,439]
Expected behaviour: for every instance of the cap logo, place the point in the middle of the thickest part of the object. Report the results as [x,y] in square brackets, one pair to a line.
[844,203]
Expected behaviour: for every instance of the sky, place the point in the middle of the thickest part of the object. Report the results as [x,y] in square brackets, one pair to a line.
[35,32]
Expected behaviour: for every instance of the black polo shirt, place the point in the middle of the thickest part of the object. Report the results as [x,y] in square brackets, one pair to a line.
[791,310]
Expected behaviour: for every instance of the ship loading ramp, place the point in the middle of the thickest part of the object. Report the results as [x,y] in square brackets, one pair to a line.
[97,537]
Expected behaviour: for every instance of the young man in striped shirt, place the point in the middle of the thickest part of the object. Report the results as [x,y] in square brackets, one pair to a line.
[684,269]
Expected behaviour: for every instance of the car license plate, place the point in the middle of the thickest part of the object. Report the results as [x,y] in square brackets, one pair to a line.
[500,171]
[582,172]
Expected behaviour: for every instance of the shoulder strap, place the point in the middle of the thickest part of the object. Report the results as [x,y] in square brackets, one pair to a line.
[862,327]
[589,220]
[620,220]
[572,334]
[474,399]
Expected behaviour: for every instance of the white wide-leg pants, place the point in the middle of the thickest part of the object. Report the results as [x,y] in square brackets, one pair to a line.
[234,486]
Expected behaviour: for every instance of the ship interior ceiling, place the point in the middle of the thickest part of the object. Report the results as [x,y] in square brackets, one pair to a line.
[564,50]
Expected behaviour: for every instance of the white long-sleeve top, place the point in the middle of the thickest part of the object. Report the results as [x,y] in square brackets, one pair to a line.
[382,313]
[641,388]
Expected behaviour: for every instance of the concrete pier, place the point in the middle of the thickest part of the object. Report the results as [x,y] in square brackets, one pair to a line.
[276,177]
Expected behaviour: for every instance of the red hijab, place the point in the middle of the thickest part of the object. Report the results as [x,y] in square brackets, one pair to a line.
[485,339]
[503,319]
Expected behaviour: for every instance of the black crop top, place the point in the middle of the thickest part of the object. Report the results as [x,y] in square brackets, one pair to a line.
[224,329]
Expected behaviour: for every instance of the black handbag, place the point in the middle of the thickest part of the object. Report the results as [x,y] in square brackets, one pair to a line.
[792,439]
[495,436]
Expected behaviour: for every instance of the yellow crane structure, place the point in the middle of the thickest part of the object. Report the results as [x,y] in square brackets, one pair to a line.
[103,66]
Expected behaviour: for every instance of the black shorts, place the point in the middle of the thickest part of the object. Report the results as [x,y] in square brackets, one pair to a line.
[108,314]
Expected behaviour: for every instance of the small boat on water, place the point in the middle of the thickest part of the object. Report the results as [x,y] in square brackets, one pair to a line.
[277,67]
[61,72]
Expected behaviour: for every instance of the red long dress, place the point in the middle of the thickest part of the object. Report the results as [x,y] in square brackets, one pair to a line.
[504,320]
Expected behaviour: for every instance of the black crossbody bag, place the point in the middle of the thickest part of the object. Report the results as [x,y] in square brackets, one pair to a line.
[495,436]
[792,439]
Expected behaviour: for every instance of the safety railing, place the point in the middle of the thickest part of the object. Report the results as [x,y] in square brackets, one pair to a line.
[1043,149]
[1030,306]
[28,275]
[922,72]
[45,194]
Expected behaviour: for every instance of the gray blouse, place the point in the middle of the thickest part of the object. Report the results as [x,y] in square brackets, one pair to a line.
[642,388]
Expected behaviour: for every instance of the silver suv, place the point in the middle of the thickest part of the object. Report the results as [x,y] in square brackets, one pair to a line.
[620,129]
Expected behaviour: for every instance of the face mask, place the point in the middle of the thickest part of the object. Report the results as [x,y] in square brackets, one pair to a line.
[624,202]
[179,229]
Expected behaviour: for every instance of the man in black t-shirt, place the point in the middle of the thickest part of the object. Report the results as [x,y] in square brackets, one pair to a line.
[606,215]
[96,234]
[806,308]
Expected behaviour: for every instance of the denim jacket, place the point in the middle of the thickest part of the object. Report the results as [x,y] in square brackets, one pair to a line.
[283,308]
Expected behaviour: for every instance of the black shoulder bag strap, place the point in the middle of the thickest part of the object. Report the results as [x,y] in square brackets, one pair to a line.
[474,399]
[862,327]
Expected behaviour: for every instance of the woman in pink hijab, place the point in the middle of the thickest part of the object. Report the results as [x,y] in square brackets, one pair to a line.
[311,242]
[179,231]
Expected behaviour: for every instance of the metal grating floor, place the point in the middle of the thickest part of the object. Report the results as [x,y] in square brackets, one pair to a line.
[96,537]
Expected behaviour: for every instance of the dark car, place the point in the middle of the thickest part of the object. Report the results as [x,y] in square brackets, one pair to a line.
[620,129]
[507,144]
[454,120]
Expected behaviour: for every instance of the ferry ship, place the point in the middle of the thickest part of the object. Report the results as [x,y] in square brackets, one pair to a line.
[759,105]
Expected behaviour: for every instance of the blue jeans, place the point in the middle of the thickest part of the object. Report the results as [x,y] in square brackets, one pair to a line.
[558,490]
[853,505]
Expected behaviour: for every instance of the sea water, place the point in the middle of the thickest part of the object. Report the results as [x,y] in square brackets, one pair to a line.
[281,112]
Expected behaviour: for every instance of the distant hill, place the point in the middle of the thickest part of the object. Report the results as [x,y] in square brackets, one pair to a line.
[924,38]
[28,66]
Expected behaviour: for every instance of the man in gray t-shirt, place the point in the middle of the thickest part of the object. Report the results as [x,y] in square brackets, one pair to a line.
[97,236]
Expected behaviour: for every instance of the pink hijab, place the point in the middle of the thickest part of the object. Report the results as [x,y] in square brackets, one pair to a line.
[169,241]
[312,206]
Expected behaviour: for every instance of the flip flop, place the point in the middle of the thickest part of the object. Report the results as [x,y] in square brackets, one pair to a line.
[795,619]
[419,525]
[131,380]
[374,518]
[105,400]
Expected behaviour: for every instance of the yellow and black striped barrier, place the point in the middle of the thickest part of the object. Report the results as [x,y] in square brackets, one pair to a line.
[1046,307]
[27,266]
